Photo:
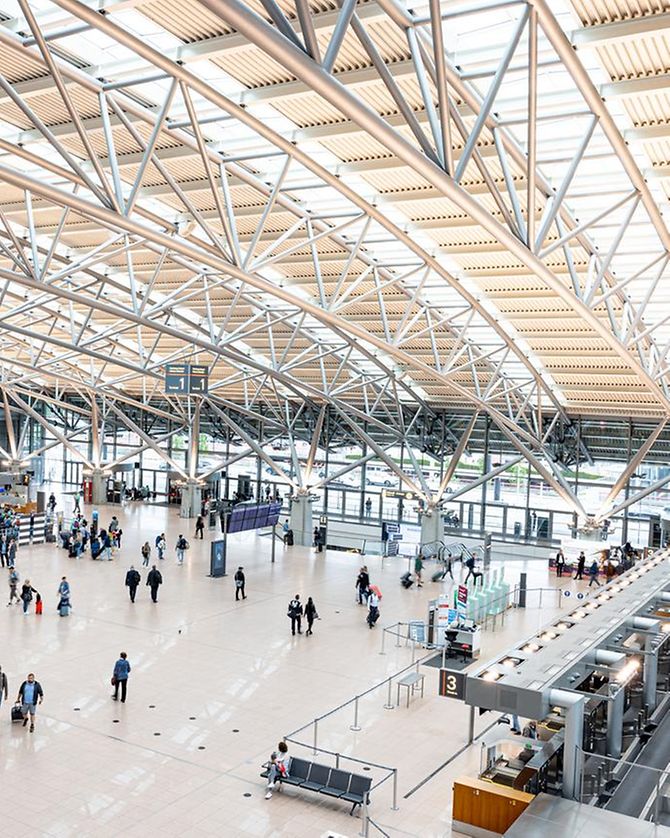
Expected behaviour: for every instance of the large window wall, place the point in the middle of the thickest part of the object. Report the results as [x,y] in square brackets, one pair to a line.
[346,475]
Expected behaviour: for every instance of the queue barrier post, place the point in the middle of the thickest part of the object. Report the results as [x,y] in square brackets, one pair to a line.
[389,699]
[355,726]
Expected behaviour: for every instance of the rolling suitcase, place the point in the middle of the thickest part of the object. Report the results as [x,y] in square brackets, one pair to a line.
[406,580]
[64,610]
[38,606]
[438,576]
[17,715]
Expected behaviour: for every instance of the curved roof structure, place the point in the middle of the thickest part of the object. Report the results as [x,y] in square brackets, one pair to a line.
[365,204]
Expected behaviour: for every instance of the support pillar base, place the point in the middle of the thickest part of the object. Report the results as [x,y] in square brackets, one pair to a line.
[432,526]
[191,500]
[301,520]
[98,487]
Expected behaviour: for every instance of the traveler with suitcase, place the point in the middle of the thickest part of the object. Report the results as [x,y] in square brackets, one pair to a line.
[64,601]
[373,609]
[30,695]
[27,592]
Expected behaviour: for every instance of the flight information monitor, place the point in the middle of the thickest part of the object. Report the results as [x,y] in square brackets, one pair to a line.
[246,517]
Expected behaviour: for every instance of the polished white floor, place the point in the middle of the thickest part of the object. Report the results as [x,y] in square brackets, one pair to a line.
[214,685]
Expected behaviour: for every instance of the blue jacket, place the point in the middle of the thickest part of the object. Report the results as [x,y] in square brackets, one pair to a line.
[121,670]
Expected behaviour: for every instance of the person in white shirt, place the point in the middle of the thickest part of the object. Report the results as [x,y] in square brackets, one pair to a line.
[373,608]
[278,767]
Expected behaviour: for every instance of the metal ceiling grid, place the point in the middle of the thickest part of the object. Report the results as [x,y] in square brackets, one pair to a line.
[300,300]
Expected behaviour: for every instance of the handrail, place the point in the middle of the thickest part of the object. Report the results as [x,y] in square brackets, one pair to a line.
[368,823]
[356,697]
[291,737]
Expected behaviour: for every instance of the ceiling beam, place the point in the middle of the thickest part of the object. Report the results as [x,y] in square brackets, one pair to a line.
[621,30]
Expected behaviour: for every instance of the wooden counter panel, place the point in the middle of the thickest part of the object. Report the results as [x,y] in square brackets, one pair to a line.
[488,805]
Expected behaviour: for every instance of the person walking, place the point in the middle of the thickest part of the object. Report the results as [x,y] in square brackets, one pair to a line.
[310,614]
[30,695]
[181,547]
[362,584]
[146,554]
[560,563]
[295,613]
[52,502]
[120,677]
[13,585]
[4,687]
[239,584]
[448,566]
[161,544]
[200,527]
[154,581]
[133,580]
[418,569]
[77,498]
[593,573]
[373,609]
[581,563]
[470,564]
[27,592]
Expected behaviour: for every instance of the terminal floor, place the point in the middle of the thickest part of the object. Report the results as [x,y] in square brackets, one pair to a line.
[214,685]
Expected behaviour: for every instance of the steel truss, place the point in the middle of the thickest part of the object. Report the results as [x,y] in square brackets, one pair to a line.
[101,323]
[623,329]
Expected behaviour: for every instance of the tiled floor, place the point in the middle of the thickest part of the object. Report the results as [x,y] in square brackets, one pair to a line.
[214,685]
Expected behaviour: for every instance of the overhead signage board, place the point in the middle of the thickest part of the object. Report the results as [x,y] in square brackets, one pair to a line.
[198,379]
[185,379]
[452,684]
[176,378]
[400,493]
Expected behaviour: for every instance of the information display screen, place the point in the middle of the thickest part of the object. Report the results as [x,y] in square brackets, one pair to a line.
[243,518]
